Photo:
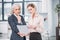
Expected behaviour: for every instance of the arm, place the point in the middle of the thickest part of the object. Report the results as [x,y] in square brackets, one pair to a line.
[41,25]
[13,25]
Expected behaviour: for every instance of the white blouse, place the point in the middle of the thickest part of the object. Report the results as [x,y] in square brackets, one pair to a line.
[37,22]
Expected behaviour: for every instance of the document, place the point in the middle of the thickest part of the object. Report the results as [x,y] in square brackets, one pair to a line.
[23,29]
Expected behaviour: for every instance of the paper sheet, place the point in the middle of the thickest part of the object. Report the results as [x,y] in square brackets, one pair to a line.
[23,29]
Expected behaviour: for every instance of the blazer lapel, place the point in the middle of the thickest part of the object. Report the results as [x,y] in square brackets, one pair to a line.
[15,19]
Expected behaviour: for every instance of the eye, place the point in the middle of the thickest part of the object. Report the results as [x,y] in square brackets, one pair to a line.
[30,9]
[17,9]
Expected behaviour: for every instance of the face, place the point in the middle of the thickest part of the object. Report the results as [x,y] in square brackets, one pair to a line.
[17,10]
[31,10]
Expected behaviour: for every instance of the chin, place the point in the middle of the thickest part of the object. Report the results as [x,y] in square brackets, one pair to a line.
[18,13]
[31,13]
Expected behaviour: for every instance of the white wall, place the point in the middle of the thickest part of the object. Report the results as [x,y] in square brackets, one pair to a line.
[54,17]
[3,27]
[48,6]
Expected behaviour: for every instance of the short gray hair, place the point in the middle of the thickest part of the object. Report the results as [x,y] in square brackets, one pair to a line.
[14,5]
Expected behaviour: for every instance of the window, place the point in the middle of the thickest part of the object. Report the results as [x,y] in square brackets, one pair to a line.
[44,6]
[0,11]
[18,0]
[32,0]
[5,6]
[7,0]
[7,10]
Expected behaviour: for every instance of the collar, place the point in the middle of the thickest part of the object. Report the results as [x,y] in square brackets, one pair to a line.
[15,15]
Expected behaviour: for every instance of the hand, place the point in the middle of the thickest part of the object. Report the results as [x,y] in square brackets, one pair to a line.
[21,34]
[27,34]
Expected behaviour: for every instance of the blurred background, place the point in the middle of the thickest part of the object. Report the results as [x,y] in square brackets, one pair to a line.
[47,8]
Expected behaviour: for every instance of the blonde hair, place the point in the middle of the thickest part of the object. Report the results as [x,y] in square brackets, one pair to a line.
[13,6]
[31,5]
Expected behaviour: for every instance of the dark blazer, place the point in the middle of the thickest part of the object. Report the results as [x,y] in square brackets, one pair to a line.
[13,22]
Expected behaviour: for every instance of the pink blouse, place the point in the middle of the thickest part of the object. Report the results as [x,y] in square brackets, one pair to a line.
[37,22]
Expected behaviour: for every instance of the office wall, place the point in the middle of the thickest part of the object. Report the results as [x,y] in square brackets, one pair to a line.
[54,17]
[4,27]
[48,6]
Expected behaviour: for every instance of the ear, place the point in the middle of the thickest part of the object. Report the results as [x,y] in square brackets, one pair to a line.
[12,11]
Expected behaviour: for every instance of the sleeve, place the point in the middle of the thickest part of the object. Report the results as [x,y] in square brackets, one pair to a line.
[41,24]
[12,25]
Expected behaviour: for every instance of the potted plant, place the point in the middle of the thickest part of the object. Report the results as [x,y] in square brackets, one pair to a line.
[58,8]
[58,11]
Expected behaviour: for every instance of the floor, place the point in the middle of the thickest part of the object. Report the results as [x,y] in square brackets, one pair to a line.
[5,37]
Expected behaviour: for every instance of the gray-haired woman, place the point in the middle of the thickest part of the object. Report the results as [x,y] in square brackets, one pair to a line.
[14,20]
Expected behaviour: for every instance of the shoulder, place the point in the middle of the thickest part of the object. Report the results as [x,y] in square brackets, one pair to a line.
[41,17]
[22,18]
[10,17]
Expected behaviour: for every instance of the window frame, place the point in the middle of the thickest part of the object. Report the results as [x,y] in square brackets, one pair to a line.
[12,2]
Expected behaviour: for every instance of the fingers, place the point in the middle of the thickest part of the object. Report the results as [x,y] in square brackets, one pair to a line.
[27,34]
[21,34]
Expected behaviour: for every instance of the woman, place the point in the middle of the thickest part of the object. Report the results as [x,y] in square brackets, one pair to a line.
[35,23]
[14,20]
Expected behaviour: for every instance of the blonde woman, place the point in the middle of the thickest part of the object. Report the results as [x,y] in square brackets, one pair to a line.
[35,23]
[14,20]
